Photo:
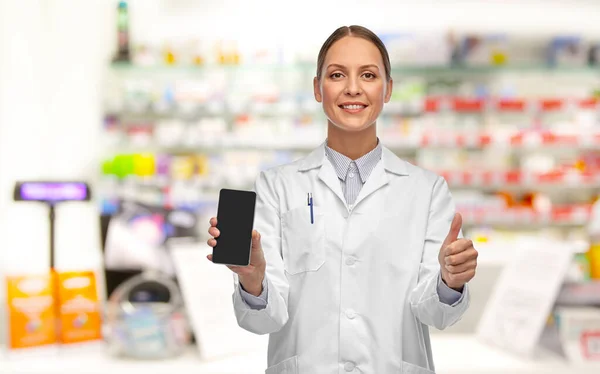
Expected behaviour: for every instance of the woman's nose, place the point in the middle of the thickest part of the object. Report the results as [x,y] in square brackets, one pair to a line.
[353,87]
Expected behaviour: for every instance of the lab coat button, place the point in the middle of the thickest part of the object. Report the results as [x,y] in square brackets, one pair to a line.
[349,366]
[350,314]
[350,261]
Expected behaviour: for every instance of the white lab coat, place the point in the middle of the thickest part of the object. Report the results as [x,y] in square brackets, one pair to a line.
[356,290]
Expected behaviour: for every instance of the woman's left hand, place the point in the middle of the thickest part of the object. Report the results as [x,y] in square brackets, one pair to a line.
[458,257]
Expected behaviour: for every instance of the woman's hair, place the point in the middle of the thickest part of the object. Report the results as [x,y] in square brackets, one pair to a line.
[359,32]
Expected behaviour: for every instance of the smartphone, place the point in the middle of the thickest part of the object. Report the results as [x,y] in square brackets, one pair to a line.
[235,221]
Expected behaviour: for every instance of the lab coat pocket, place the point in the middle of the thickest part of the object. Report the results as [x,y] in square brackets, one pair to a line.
[287,366]
[302,240]
[408,368]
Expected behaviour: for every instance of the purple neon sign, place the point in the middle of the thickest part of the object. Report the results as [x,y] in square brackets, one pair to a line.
[54,191]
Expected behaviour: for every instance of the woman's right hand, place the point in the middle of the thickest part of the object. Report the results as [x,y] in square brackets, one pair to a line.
[251,276]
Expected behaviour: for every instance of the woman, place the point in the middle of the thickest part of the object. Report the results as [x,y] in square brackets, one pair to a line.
[354,287]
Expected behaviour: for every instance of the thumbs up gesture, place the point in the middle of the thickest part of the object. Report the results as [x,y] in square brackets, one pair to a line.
[458,257]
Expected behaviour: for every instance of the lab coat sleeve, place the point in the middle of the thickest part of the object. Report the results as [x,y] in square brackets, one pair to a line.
[256,302]
[447,294]
[424,299]
[267,222]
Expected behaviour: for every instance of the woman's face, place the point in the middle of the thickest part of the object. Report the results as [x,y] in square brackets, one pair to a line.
[353,86]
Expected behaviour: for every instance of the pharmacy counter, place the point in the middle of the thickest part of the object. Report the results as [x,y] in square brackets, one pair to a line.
[454,354]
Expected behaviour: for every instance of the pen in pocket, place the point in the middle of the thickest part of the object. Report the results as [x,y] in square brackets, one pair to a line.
[310,204]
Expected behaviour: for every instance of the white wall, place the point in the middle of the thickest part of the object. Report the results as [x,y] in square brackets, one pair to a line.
[52,55]
[313,20]
[53,52]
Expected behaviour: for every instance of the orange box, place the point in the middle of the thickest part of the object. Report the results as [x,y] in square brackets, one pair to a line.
[80,318]
[31,311]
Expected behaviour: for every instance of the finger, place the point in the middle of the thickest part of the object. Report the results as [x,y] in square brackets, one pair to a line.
[214,232]
[458,246]
[213,221]
[454,230]
[211,242]
[209,257]
[255,239]
[463,277]
[457,269]
[240,270]
[462,257]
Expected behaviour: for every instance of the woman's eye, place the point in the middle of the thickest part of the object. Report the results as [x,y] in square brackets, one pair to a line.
[369,75]
[336,75]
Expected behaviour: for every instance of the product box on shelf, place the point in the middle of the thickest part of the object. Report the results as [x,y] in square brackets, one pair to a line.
[31,311]
[414,49]
[481,50]
[567,50]
[79,305]
[579,330]
[52,308]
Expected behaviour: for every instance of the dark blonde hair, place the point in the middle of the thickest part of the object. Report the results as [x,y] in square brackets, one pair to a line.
[359,32]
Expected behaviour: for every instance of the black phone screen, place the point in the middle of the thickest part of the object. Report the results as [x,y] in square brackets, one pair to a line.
[235,221]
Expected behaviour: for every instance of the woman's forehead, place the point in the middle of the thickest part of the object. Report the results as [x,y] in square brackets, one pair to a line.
[353,51]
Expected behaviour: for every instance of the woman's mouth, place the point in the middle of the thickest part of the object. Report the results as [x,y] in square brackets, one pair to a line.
[353,108]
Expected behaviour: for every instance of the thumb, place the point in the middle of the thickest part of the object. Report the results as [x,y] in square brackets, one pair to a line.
[454,231]
[255,239]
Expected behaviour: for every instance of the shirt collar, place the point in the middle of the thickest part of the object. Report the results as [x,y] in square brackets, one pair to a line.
[365,163]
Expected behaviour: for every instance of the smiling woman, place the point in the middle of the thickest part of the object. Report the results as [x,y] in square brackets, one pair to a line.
[353,83]
[354,286]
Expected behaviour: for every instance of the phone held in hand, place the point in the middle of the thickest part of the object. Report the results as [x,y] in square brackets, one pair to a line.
[235,221]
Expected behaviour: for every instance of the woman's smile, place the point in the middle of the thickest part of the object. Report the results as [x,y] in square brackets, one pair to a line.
[353,107]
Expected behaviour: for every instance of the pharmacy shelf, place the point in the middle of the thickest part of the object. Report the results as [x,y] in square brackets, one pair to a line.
[492,180]
[530,140]
[396,69]
[514,144]
[273,106]
[484,180]
[453,354]
[511,105]
[158,191]
[412,141]
[579,294]
[570,215]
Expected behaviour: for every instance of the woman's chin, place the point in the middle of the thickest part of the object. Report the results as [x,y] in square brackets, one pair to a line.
[350,126]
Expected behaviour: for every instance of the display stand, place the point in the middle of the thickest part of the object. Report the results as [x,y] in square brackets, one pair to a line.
[519,315]
[51,194]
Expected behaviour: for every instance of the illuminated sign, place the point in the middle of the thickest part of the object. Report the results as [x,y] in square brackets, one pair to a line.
[52,192]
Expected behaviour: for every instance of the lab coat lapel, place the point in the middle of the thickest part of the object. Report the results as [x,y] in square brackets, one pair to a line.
[376,180]
[318,159]
[329,177]
[379,177]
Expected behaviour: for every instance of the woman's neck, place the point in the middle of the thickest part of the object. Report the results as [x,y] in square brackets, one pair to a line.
[353,145]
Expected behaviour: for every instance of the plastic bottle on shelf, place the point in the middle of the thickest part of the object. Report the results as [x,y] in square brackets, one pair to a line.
[593,253]
[123,51]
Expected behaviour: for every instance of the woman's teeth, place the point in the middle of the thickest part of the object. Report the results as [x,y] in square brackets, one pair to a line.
[353,107]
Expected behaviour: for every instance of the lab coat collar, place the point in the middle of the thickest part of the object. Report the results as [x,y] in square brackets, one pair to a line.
[391,162]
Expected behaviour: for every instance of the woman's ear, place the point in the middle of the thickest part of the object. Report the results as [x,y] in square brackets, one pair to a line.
[388,92]
[317,90]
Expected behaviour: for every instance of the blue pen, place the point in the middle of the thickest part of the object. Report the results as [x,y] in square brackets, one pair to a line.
[310,204]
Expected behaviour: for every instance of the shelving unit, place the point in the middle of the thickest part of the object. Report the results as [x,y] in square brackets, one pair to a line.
[195,129]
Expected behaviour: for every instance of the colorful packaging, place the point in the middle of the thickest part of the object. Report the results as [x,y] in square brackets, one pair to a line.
[594,260]
[31,311]
[80,318]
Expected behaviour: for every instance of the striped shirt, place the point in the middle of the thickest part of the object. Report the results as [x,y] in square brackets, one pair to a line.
[353,174]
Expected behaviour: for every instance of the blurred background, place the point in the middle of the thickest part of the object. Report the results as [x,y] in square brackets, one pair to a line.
[157,104]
